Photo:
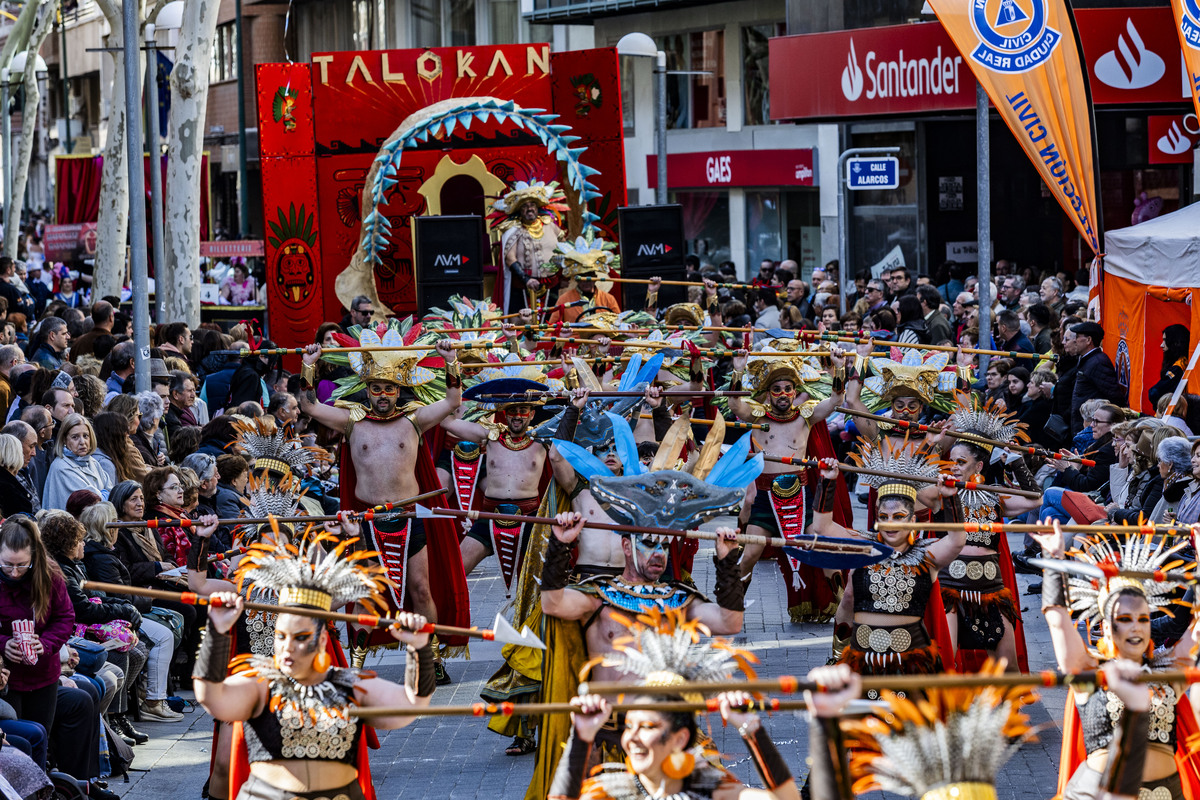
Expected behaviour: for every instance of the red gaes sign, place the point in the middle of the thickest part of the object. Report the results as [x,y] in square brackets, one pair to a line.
[1132,56]
[736,168]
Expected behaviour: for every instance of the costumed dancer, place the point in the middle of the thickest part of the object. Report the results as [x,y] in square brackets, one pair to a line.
[290,710]
[586,611]
[1120,607]
[906,385]
[277,454]
[979,589]
[659,753]
[529,218]
[384,460]
[585,262]
[785,395]
[884,624]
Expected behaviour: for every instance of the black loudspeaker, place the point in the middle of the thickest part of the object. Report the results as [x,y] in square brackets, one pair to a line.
[449,252]
[652,244]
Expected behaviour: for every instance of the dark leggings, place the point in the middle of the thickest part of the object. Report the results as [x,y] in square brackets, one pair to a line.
[35,705]
[75,737]
[28,737]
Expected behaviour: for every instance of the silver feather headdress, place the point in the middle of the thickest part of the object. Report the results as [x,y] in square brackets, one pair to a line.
[267,498]
[1091,599]
[949,745]
[900,460]
[986,419]
[313,576]
[271,447]
[665,648]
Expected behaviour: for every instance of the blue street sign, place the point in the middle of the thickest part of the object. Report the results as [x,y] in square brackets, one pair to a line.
[879,172]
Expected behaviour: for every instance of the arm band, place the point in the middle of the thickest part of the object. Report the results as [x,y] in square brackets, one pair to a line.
[826,494]
[842,632]
[829,778]
[566,425]
[711,302]
[418,670]
[568,777]
[652,300]
[556,565]
[453,375]
[308,376]
[1054,590]
[1024,477]
[767,760]
[662,420]
[1127,754]
[839,380]
[729,590]
[212,662]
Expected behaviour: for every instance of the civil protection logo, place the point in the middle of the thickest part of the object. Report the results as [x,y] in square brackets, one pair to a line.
[1190,23]
[1014,35]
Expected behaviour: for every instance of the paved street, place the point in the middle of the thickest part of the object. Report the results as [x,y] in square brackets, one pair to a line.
[459,758]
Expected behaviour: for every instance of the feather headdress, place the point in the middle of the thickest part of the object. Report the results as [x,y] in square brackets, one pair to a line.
[588,256]
[311,575]
[948,745]
[987,419]
[901,460]
[549,198]
[272,448]
[417,369]
[273,498]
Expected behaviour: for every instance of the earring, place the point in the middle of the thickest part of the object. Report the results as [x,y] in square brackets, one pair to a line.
[322,661]
[1105,648]
[679,765]
[912,538]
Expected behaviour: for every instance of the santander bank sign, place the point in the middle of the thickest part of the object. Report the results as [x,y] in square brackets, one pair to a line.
[900,76]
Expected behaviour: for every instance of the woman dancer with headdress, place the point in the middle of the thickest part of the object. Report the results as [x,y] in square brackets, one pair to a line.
[663,754]
[293,708]
[881,625]
[979,588]
[1121,607]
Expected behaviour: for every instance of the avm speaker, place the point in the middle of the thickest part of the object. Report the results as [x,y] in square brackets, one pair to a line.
[449,249]
[652,244]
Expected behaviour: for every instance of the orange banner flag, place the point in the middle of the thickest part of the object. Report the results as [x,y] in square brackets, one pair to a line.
[1187,25]
[1026,55]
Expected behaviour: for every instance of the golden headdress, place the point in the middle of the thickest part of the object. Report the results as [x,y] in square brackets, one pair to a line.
[683,314]
[948,746]
[784,359]
[913,373]
[907,459]
[417,369]
[588,257]
[548,196]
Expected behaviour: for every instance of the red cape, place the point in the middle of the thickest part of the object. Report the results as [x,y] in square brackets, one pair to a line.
[447,581]
[972,660]
[1073,753]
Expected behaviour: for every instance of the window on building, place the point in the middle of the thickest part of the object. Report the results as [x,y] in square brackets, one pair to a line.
[626,65]
[504,19]
[369,24]
[426,23]
[705,224]
[695,100]
[755,71]
[224,64]
[443,24]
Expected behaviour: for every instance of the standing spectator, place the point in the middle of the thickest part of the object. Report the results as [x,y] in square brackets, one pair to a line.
[284,408]
[50,343]
[1008,332]
[996,378]
[766,274]
[239,288]
[116,454]
[149,439]
[1017,381]
[13,290]
[911,327]
[10,356]
[102,323]
[936,325]
[766,310]
[1095,376]
[1010,293]
[797,296]
[67,294]
[39,419]
[1052,295]
[873,299]
[176,339]
[1038,316]
[1038,406]
[900,282]
[182,397]
[121,367]
[89,394]
[1175,346]
[74,466]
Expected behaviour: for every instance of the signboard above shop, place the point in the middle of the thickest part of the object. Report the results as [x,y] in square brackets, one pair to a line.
[726,168]
[1132,55]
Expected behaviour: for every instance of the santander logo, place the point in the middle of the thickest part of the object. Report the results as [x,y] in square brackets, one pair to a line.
[852,76]
[1174,141]
[1131,65]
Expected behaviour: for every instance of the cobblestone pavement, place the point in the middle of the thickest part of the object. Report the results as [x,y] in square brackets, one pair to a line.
[456,757]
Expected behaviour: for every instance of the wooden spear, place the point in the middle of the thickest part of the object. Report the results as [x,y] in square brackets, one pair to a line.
[538,709]
[790,684]
[1015,447]
[1035,527]
[501,631]
[457,344]
[807,543]
[645,281]
[949,348]
[737,426]
[985,487]
[368,514]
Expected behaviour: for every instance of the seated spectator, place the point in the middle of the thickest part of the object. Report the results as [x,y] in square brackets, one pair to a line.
[1178,418]
[163,488]
[234,473]
[996,379]
[185,441]
[1038,405]
[1079,477]
[1144,486]
[127,408]
[1188,507]
[1017,380]
[149,439]
[74,465]
[15,496]
[1175,468]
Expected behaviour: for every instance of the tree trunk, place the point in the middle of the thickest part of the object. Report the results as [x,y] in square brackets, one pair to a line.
[33,98]
[113,228]
[178,285]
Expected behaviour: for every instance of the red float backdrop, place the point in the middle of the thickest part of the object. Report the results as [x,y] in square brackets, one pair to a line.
[321,125]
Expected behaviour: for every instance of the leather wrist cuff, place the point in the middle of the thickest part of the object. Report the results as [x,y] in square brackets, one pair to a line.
[419,674]
[651,299]
[566,425]
[839,380]
[556,566]
[1054,590]
[1127,754]
[826,494]
[729,591]
[572,765]
[212,662]
[767,760]
[308,375]
[952,510]
[830,775]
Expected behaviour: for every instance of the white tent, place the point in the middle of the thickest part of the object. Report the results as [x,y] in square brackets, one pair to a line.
[1162,252]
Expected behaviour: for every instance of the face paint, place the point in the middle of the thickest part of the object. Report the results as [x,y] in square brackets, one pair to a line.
[646,547]
[379,389]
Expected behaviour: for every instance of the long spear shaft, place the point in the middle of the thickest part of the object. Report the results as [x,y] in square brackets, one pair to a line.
[516,397]
[985,487]
[736,425]
[456,344]
[645,281]
[837,337]
[368,514]
[790,684]
[969,437]
[538,709]
[1036,527]
[366,620]
[807,543]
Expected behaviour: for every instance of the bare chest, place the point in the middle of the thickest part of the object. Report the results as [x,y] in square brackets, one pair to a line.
[375,444]
[784,439]
[505,465]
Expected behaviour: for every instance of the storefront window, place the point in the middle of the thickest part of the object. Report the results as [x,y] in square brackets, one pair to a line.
[504,19]
[802,218]
[781,225]
[705,224]
[755,73]
[886,219]
[695,101]
[763,239]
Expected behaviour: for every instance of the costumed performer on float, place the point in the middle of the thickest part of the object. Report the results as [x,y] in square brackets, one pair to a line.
[292,708]
[529,219]
[584,262]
